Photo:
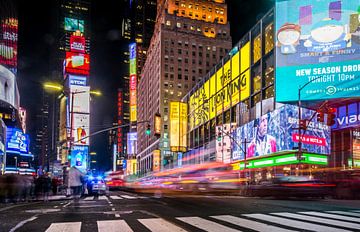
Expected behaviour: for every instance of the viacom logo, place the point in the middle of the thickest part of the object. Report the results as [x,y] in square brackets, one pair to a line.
[346,121]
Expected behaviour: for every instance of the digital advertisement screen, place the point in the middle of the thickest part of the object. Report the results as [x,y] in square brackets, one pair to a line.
[178,126]
[77,44]
[131,143]
[276,131]
[81,99]
[223,144]
[81,128]
[77,63]
[77,80]
[8,42]
[79,157]
[72,24]
[17,142]
[318,42]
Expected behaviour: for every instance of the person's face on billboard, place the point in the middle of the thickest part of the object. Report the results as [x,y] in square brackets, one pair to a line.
[263,125]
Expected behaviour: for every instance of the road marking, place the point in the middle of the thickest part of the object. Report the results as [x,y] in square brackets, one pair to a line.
[128,197]
[206,225]
[112,209]
[67,204]
[338,217]
[293,223]
[103,198]
[262,227]
[345,213]
[114,226]
[116,197]
[160,225]
[64,227]
[321,220]
[117,215]
[89,198]
[20,224]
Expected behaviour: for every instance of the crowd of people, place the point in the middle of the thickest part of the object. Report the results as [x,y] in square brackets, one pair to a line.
[17,188]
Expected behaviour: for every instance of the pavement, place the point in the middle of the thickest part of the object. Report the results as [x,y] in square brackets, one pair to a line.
[124,211]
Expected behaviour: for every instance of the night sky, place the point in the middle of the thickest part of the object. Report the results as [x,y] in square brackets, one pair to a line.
[36,40]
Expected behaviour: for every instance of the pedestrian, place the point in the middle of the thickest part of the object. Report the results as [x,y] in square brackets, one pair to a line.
[54,185]
[75,183]
[46,186]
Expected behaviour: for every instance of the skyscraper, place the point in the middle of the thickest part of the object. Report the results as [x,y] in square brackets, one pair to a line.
[190,37]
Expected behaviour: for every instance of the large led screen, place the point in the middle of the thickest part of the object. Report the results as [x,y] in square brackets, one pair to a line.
[77,44]
[131,143]
[17,142]
[77,63]
[276,131]
[74,24]
[79,157]
[318,42]
[81,130]
[8,42]
[81,97]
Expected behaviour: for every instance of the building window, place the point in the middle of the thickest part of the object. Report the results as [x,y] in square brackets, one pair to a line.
[179,51]
[168,23]
[257,48]
[269,70]
[179,76]
[269,38]
[178,25]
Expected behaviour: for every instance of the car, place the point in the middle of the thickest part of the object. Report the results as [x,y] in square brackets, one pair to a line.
[96,185]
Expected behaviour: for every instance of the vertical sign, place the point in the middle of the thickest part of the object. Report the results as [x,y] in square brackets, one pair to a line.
[156,160]
[178,126]
[133,83]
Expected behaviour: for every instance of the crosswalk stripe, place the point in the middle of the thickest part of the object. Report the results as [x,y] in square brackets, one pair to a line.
[128,197]
[116,197]
[357,211]
[334,216]
[64,227]
[103,198]
[206,225]
[262,227]
[345,213]
[114,226]
[160,225]
[321,220]
[89,198]
[293,223]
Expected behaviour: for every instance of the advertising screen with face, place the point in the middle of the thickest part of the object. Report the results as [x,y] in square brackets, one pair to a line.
[276,131]
[317,42]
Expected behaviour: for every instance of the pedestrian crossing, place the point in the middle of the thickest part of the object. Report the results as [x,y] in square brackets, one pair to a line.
[327,221]
[114,197]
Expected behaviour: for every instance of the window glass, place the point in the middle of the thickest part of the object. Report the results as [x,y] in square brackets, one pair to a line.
[256,79]
[269,38]
[257,48]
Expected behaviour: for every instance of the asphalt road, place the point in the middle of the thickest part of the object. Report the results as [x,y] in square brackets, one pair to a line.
[122,211]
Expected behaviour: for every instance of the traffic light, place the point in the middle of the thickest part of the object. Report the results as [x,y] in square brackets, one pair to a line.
[330,119]
[320,116]
[219,135]
[148,129]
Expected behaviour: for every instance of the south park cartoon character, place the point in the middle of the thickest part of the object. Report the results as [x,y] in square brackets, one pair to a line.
[288,37]
[327,35]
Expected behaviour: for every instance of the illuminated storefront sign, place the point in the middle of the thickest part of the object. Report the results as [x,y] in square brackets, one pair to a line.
[314,159]
[131,167]
[131,143]
[17,142]
[22,114]
[133,83]
[276,131]
[77,63]
[77,80]
[74,24]
[156,160]
[81,96]
[77,43]
[178,126]
[227,87]
[79,157]
[81,128]
[317,41]
[8,42]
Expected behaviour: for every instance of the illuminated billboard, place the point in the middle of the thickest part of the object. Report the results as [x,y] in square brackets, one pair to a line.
[131,167]
[79,157]
[77,63]
[77,44]
[131,143]
[81,97]
[8,42]
[356,144]
[17,142]
[178,126]
[81,128]
[72,24]
[276,131]
[133,82]
[156,160]
[223,144]
[229,85]
[317,42]
[77,80]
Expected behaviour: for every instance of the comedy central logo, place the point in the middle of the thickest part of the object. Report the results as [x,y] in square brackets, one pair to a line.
[330,90]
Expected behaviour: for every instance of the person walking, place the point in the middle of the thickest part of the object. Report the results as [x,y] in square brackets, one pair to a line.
[75,182]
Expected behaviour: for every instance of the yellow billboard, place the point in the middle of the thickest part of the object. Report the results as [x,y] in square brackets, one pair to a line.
[156,160]
[178,126]
[245,57]
[235,66]
[131,167]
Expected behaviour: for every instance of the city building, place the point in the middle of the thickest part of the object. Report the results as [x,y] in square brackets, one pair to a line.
[136,29]
[189,38]
[245,111]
